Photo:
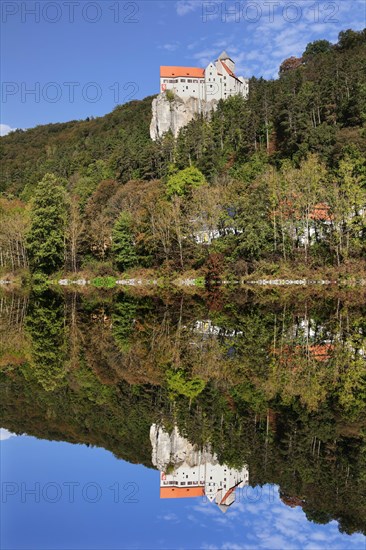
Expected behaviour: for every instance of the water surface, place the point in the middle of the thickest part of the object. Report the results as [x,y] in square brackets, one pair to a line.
[251,411]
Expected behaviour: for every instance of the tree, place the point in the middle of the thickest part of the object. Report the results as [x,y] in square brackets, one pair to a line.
[14,222]
[347,198]
[184,181]
[315,48]
[178,384]
[46,237]
[74,231]
[123,247]
[290,64]
[350,39]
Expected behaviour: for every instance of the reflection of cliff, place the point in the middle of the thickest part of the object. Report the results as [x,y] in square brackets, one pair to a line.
[187,471]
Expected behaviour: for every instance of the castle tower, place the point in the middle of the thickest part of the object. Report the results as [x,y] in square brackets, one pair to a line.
[227,60]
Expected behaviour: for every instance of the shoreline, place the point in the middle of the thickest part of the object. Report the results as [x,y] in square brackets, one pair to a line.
[109,283]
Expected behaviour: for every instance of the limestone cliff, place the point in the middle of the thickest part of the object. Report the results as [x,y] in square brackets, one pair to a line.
[175,450]
[174,113]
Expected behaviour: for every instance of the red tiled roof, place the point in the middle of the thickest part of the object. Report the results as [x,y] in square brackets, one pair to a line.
[321,211]
[229,71]
[169,72]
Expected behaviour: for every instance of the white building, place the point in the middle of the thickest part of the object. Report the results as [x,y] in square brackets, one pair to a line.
[217,81]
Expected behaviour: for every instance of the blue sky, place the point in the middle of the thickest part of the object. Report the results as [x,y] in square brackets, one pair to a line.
[256,521]
[81,58]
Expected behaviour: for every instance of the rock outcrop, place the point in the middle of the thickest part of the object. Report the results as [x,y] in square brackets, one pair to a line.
[175,450]
[172,113]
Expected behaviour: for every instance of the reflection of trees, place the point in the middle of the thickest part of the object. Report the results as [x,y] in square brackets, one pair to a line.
[14,346]
[46,327]
[251,381]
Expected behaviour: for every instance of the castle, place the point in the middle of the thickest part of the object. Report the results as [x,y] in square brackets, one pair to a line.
[217,81]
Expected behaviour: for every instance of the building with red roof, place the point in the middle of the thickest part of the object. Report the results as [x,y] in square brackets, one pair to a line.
[217,81]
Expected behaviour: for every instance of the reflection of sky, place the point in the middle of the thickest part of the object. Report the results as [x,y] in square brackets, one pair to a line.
[252,522]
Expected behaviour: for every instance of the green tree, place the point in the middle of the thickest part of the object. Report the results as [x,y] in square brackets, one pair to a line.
[46,237]
[45,325]
[177,383]
[123,246]
[184,181]
[317,47]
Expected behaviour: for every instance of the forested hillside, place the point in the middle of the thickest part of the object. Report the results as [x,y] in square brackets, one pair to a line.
[276,177]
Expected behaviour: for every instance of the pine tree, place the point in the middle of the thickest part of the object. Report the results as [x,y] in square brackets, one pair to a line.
[46,238]
[123,247]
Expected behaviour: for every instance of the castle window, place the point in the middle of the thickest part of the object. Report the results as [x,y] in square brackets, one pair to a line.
[186,87]
[189,81]
[182,79]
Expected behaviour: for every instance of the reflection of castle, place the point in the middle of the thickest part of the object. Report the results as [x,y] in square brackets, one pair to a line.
[188,472]
[215,481]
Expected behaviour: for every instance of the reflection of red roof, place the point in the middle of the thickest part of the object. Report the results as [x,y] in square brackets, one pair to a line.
[181,492]
[319,352]
[181,71]
[227,494]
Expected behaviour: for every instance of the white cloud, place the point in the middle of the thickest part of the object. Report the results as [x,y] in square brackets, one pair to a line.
[5,129]
[5,434]
[205,56]
[186,6]
[170,47]
[170,517]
